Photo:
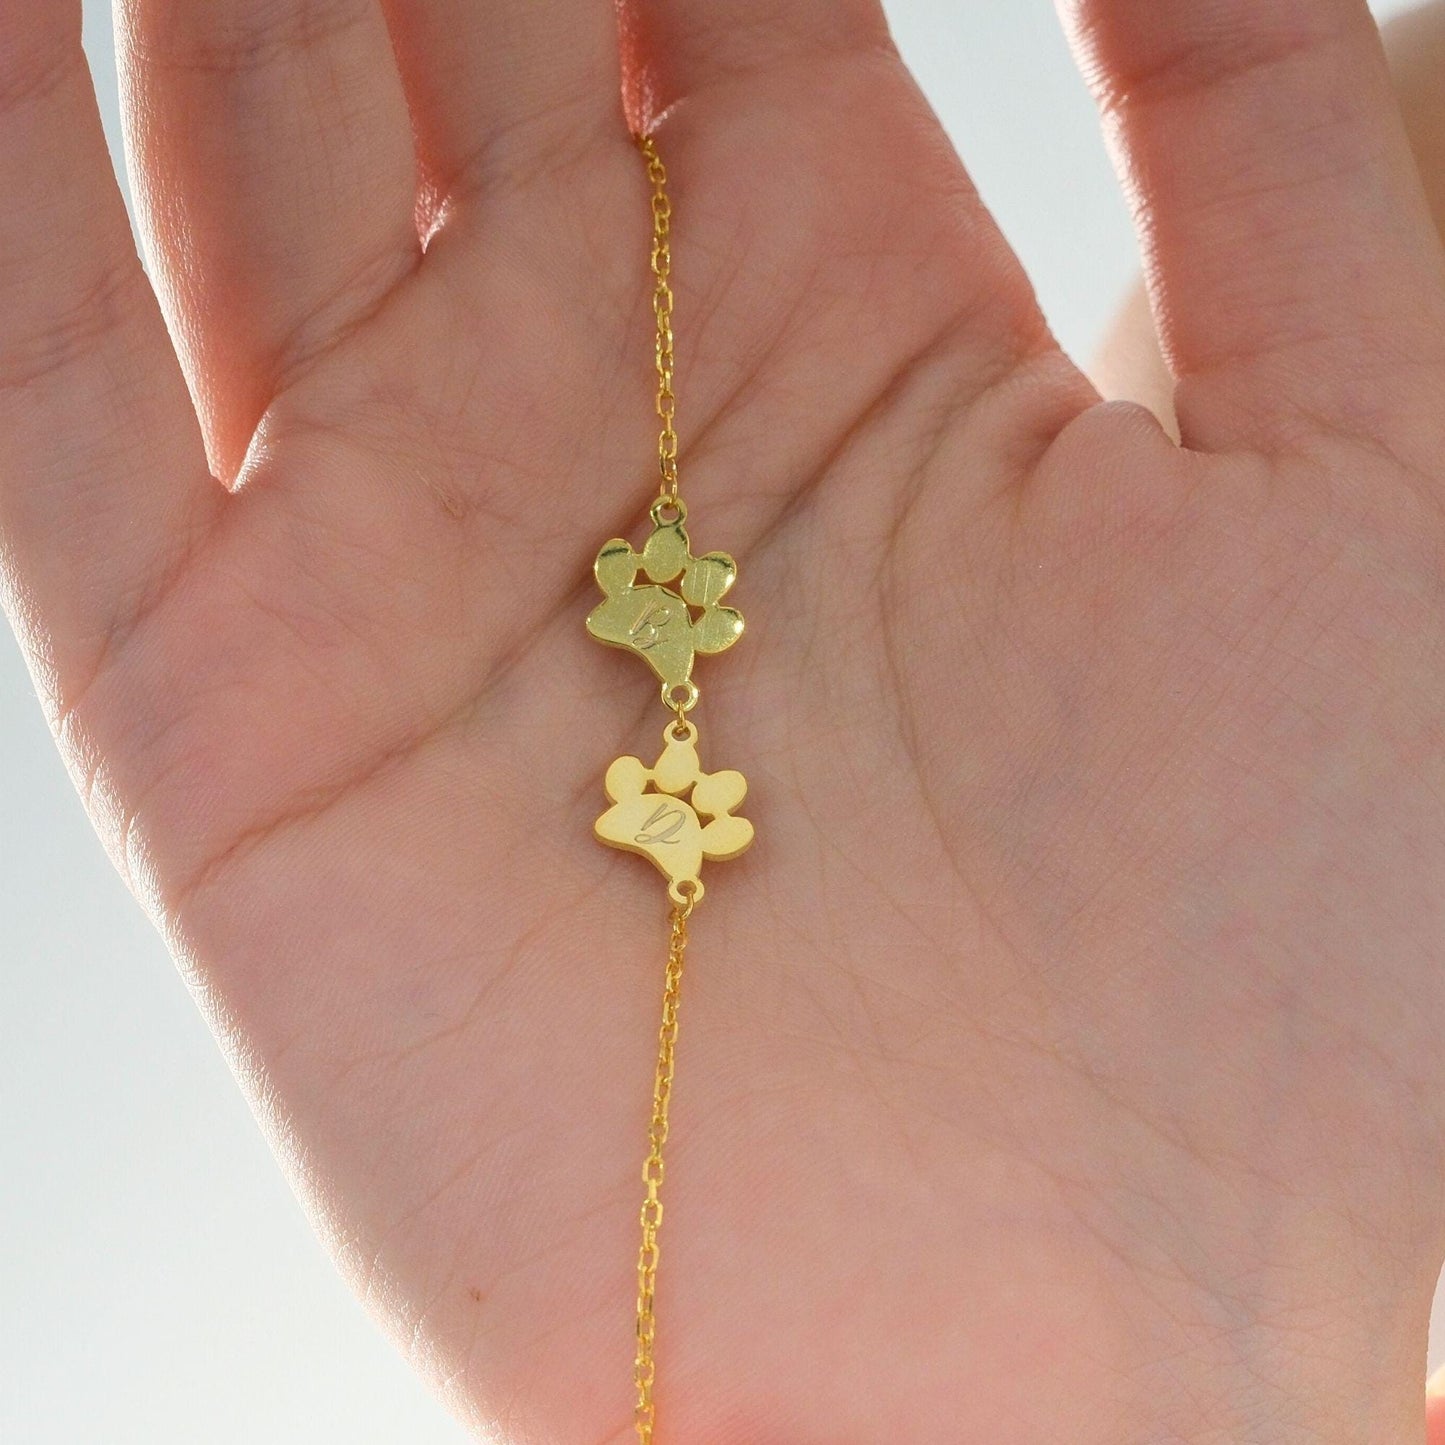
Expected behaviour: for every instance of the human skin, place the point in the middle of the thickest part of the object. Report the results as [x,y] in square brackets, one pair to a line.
[1063,1060]
[1130,364]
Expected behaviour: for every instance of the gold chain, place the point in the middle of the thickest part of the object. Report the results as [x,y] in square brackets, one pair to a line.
[691,619]
[662,308]
[645,1369]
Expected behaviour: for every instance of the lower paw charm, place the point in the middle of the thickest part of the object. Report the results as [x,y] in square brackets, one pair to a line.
[674,813]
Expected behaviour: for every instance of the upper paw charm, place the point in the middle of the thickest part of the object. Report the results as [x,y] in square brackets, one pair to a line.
[660,811]
[665,626]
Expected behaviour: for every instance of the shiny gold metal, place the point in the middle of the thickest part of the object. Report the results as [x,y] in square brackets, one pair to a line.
[662,310]
[674,813]
[644,1369]
[666,626]
[666,606]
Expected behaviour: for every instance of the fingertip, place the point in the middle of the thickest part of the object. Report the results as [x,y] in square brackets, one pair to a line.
[1435,1408]
[1129,365]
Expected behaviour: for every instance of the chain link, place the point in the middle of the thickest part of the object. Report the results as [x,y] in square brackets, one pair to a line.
[644,1370]
[653,1169]
[662,309]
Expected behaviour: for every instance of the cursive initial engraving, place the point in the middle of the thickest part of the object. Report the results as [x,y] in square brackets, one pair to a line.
[647,630]
[663,826]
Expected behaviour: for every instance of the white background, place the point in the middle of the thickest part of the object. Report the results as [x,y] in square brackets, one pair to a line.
[158,1283]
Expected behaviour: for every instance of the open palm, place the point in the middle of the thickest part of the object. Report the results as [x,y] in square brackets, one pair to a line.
[1065,1055]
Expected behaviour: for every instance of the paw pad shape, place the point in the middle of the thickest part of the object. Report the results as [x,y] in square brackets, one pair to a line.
[665,626]
[673,812]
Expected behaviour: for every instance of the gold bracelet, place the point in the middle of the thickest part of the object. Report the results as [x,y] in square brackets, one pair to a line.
[666,606]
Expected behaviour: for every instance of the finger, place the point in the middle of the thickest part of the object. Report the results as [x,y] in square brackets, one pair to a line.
[103,486]
[498,89]
[1129,367]
[675,50]
[1415,47]
[1290,252]
[277,186]
[1435,1409]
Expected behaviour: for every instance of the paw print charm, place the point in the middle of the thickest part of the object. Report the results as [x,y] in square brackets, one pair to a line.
[665,626]
[674,813]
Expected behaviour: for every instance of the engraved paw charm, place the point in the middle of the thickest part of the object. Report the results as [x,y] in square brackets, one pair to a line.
[674,813]
[667,627]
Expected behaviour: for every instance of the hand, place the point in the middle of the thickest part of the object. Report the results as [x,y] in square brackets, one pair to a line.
[1065,1055]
